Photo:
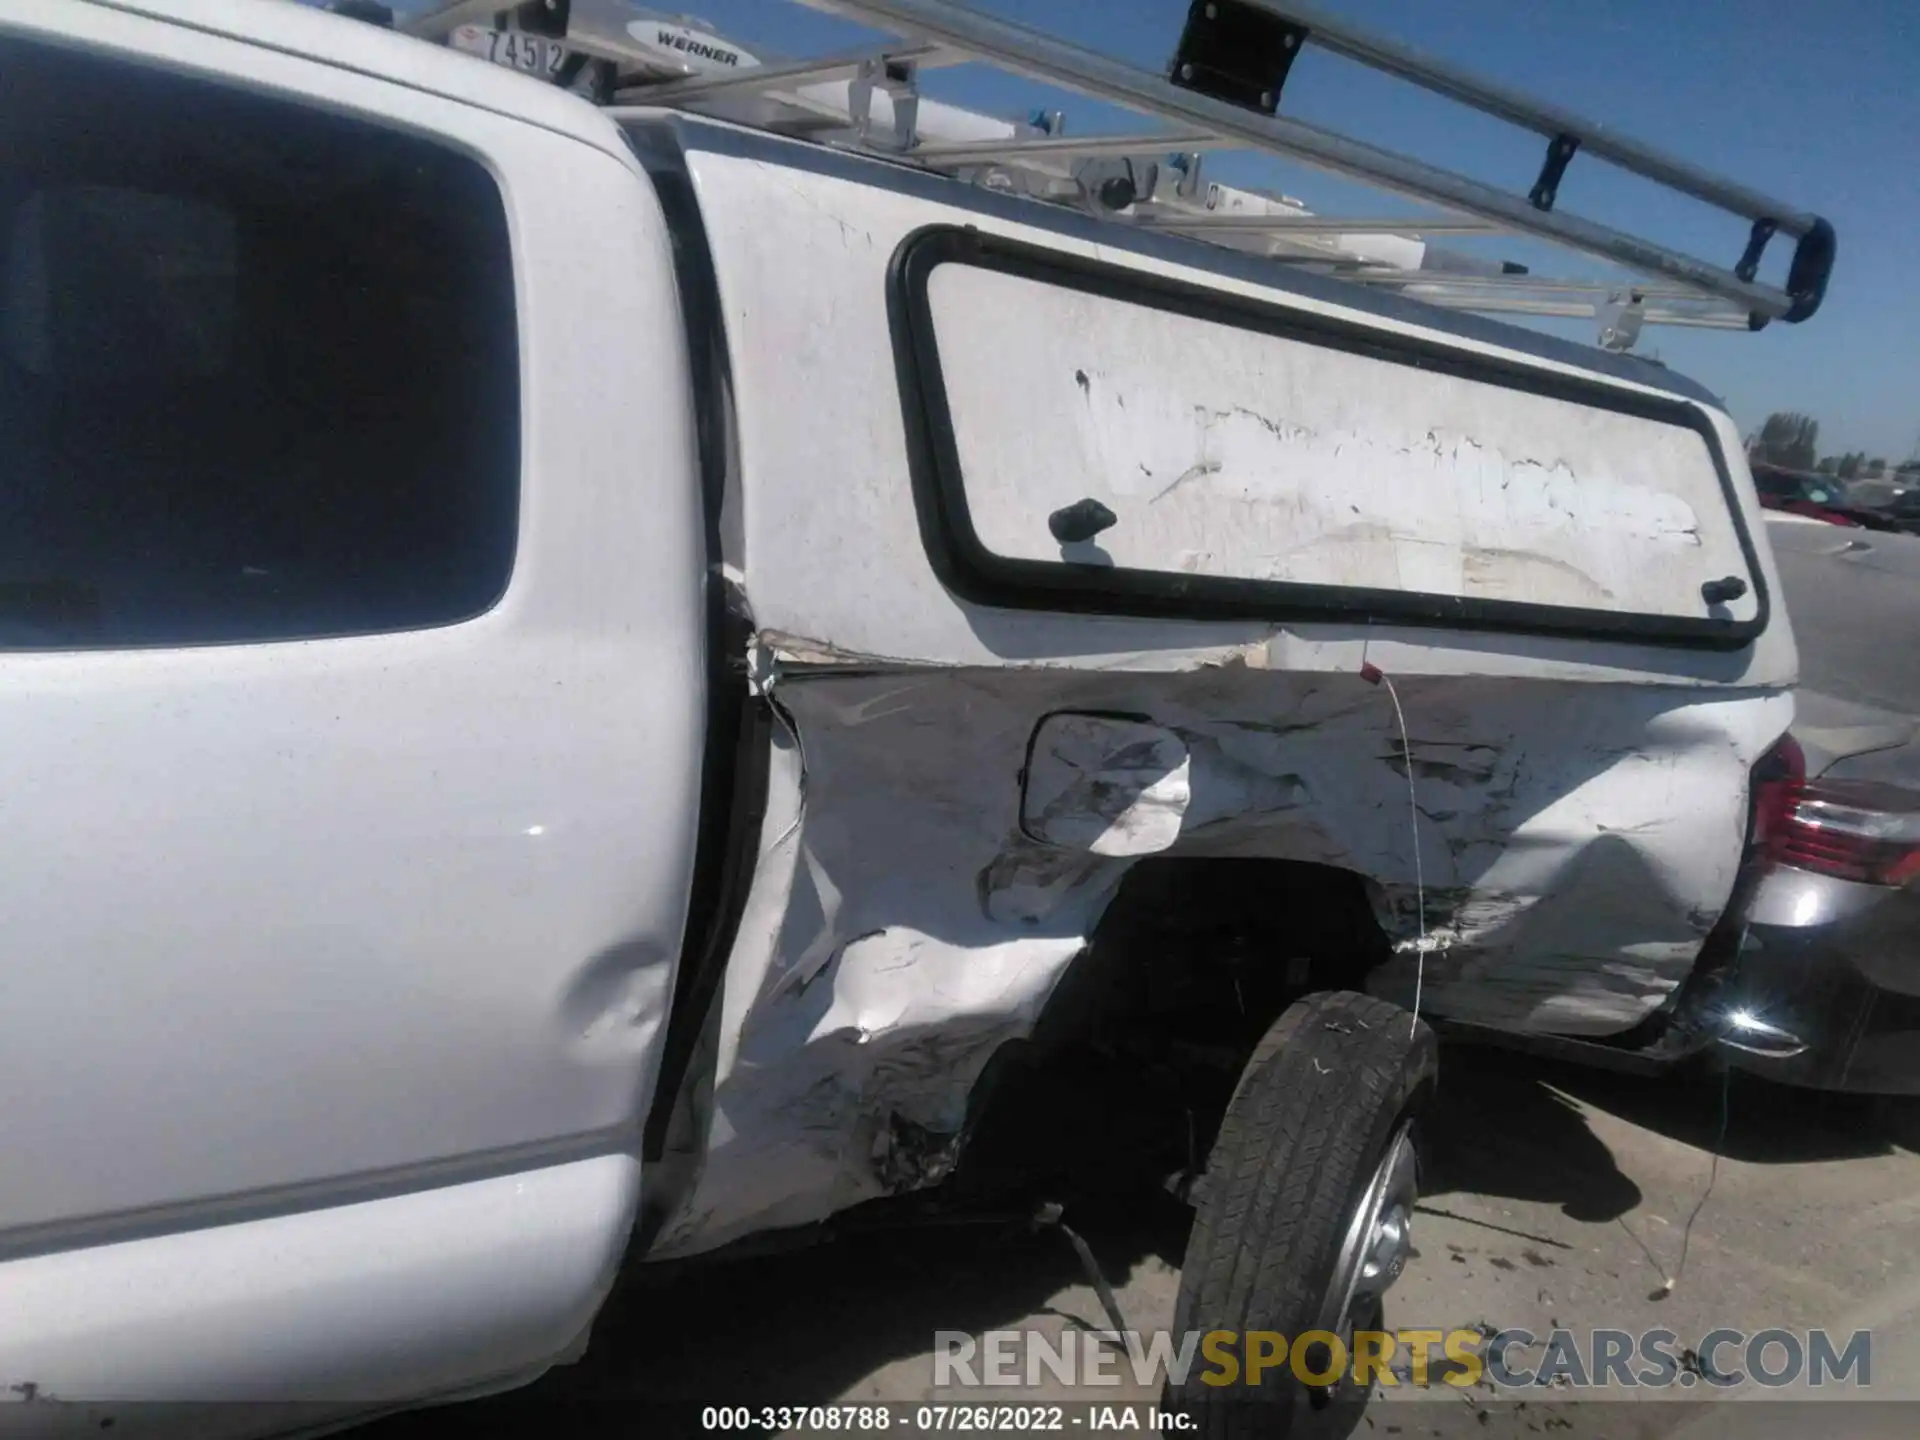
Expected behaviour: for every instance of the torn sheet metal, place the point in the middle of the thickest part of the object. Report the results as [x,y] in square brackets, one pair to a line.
[962,832]
[1106,785]
[966,788]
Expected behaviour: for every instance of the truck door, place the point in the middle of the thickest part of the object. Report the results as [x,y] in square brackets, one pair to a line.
[351,704]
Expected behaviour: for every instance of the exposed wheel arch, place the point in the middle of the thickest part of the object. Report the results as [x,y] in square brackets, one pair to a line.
[1128,1070]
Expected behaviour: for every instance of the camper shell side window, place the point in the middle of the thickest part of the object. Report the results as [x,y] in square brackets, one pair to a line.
[1096,437]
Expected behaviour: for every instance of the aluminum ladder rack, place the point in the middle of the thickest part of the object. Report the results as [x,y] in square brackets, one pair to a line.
[1221,91]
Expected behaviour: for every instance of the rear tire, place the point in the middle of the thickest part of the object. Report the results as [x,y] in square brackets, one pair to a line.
[1310,1184]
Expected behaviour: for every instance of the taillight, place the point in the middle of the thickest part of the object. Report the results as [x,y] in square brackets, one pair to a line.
[1855,830]
[1862,830]
[1776,781]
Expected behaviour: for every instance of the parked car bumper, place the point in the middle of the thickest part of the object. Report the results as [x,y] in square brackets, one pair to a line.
[1837,965]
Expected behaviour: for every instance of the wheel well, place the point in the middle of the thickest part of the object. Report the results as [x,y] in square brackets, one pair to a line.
[1216,946]
[1129,1069]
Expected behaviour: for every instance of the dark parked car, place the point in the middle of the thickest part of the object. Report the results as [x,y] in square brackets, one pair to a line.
[1904,511]
[1895,496]
[1831,952]
[1816,496]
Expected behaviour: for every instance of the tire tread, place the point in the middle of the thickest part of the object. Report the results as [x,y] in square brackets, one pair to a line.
[1301,1133]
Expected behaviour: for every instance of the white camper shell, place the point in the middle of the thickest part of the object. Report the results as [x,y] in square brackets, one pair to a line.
[579,679]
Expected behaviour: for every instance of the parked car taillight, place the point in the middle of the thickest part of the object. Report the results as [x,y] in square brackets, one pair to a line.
[1777,779]
[1864,830]
[1855,830]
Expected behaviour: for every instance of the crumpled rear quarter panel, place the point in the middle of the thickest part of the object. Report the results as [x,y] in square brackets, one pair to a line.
[1576,846]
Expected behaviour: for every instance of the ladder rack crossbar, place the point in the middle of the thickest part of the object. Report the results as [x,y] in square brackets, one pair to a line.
[1022,49]
[1012,152]
[1342,37]
[762,78]
[1527,283]
[868,99]
[1316,224]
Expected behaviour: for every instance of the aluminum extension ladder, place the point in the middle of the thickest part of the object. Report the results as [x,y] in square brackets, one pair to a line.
[1222,91]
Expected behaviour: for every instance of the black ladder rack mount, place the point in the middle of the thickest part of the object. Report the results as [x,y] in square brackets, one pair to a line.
[1222,90]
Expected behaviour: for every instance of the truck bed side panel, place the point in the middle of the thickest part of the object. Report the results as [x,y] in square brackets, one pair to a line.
[964,784]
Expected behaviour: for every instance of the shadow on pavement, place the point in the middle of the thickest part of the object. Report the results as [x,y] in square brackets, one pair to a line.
[817,1324]
[798,1328]
[1496,1129]
[1766,1123]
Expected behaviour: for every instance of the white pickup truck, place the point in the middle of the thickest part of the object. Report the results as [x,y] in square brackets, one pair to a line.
[580,683]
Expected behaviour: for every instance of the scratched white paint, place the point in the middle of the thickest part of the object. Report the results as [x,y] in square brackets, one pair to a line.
[1225,452]
[937,850]
[877,971]
[833,548]
[1576,844]
[918,893]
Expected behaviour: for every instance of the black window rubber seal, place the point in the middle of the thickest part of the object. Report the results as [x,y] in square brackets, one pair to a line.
[979,576]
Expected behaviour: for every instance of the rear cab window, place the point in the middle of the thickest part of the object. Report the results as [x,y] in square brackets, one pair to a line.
[259,366]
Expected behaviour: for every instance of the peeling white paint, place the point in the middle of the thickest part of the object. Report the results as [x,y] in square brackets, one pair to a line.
[833,543]
[1227,452]
[967,788]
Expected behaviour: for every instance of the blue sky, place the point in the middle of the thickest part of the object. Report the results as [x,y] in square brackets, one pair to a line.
[1818,104]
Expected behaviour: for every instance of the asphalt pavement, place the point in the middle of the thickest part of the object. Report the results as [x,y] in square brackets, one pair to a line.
[1556,1197]
[1854,600]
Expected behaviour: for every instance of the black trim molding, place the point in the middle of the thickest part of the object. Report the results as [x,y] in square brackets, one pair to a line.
[979,575]
[738,751]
